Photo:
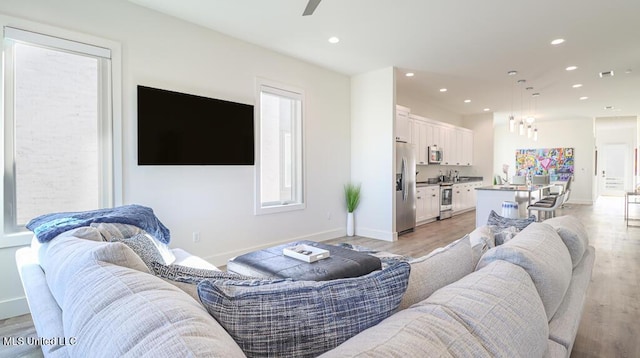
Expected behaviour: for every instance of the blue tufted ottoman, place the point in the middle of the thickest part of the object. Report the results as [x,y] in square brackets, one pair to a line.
[271,263]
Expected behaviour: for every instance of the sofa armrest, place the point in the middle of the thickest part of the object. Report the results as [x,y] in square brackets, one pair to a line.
[45,312]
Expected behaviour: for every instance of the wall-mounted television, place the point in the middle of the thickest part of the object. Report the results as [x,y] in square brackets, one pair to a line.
[184,129]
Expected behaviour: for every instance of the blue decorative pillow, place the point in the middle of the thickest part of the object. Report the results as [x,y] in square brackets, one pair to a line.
[505,228]
[502,222]
[285,318]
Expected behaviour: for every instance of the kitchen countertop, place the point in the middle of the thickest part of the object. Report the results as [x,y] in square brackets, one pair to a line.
[515,187]
[462,180]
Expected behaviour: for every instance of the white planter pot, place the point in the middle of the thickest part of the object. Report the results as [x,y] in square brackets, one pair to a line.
[350,226]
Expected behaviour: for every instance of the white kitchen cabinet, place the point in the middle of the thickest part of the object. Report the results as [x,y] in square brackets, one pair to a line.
[433,202]
[419,137]
[466,146]
[427,203]
[403,126]
[464,196]
[447,137]
[421,204]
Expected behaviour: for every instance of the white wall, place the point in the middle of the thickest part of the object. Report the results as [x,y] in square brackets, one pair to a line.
[574,133]
[373,152]
[483,155]
[216,201]
[426,107]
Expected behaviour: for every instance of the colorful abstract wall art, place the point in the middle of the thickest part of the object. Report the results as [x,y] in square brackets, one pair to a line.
[558,163]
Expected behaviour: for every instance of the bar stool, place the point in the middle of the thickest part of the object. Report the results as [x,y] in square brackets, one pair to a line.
[547,206]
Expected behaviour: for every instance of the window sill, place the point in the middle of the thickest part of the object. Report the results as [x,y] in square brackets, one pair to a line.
[16,239]
[279,208]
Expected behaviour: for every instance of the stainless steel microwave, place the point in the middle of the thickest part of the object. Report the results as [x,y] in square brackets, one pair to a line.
[435,155]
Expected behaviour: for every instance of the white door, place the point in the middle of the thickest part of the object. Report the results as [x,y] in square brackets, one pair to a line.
[615,169]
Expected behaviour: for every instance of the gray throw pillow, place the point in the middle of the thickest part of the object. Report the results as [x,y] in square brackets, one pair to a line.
[114,231]
[192,275]
[285,318]
[144,247]
[503,223]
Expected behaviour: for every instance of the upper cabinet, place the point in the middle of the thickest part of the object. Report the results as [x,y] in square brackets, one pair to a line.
[403,125]
[421,134]
[456,142]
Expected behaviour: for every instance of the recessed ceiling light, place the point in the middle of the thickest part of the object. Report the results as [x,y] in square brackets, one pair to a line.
[606,74]
[557,41]
[608,107]
[409,74]
[535,94]
[487,109]
[628,71]
[577,85]
[467,101]
[583,98]
[334,40]
[443,90]
[512,73]
[571,68]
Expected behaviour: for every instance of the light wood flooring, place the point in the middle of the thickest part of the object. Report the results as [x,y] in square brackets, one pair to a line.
[610,325]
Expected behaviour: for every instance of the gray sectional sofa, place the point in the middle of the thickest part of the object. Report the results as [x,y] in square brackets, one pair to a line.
[470,299]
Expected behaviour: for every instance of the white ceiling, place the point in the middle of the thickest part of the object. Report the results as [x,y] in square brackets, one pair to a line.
[466,46]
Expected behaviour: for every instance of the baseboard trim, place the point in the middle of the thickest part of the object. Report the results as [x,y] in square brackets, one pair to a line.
[377,234]
[13,307]
[222,258]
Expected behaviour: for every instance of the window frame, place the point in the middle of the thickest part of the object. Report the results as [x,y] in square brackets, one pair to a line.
[279,89]
[110,126]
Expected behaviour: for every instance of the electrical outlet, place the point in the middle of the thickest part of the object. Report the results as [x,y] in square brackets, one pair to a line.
[196,236]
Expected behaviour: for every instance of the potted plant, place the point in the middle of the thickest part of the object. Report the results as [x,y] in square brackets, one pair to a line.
[352,196]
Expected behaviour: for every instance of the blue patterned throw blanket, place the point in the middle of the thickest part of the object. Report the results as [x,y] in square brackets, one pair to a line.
[48,226]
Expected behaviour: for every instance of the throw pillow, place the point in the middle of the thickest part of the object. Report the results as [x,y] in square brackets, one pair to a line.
[573,234]
[481,239]
[540,251]
[502,222]
[284,318]
[144,247]
[439,268]
[502,235]
[88,233]
[115,231]
[192,275]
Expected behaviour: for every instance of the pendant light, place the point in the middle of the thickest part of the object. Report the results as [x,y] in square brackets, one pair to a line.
[521,129]
[512,120]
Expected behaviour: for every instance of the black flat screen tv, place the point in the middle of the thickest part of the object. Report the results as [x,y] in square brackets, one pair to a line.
[183,129]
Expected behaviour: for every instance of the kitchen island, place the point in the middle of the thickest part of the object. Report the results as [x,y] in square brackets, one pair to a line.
[491,198]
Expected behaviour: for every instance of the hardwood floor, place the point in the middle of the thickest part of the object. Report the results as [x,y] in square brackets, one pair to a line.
[610,324]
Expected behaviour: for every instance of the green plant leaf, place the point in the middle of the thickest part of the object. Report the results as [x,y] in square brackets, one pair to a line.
[352,196]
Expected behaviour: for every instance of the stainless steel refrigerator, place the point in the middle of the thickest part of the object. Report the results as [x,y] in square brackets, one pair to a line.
[405,187]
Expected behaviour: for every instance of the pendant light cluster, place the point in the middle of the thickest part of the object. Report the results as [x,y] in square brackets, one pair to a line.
[525,124]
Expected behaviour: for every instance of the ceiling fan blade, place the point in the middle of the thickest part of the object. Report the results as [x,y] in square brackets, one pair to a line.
[311,7]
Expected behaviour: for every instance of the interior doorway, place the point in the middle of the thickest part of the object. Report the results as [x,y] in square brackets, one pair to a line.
[615,171]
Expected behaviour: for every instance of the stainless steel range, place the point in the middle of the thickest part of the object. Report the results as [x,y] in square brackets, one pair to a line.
[446,200]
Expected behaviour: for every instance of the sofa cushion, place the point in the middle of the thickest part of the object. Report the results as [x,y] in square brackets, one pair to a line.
[438,269]
[66,254]
[494,312]
[573,234]
[539,250]
[563,327]
[285,318]
[116,311]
